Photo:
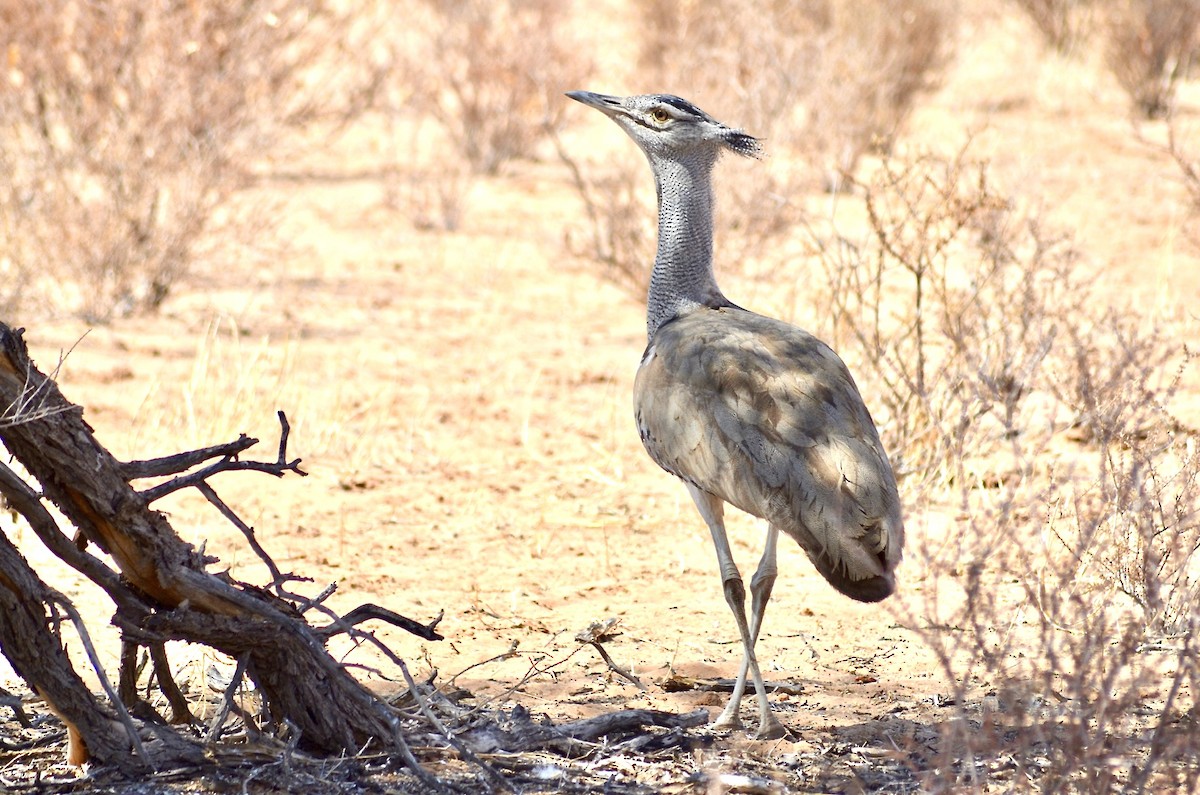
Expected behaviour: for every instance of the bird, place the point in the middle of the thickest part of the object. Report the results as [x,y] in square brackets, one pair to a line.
[745,409]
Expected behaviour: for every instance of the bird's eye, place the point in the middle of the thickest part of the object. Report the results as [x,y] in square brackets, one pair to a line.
[659,115]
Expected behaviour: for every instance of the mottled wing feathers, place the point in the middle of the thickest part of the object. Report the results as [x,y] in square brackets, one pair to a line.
[768,418]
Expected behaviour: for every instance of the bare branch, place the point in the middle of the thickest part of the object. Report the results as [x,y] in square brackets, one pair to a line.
[13,702]
[618,670]
[277,577]
[369,611]
[304,604]
[599,631]
[235,681]
[463,751]
[591,729]
[230,463]
[180,713]
[181,462]
[505,655]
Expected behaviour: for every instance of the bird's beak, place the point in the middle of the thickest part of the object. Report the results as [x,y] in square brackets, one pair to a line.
[609,106]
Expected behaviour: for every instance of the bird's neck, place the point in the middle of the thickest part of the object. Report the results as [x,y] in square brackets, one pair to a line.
[683,273]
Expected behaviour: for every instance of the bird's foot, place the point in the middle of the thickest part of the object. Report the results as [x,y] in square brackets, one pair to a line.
[727,720]
[771,729]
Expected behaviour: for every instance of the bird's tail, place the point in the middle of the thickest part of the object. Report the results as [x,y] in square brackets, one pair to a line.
[865,568]
[870,589]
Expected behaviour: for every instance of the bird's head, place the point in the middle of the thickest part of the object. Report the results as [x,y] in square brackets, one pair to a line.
[667,126]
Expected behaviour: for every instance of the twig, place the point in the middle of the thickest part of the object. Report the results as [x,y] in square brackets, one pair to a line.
[304,604]
[339,623]
[277,577]
[369,611]
[598,631]
[616,668]
[229,463]
[181,462]
[428,779]
[22,409]
[533,671]
[214,726]
[463,751]
[512,652]
[405,751]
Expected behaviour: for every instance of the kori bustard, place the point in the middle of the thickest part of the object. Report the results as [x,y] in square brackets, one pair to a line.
[745,409]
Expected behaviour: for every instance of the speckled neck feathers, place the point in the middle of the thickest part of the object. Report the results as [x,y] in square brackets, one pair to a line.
[683,271]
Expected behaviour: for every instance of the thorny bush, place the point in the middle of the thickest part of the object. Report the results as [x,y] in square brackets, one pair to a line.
[1061,598]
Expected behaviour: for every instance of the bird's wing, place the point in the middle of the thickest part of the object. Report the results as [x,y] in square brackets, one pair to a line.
[768,418]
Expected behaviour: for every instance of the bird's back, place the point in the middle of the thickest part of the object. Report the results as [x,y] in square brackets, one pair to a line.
[767,417]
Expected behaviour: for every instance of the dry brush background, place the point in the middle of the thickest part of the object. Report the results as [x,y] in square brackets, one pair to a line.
[385,219]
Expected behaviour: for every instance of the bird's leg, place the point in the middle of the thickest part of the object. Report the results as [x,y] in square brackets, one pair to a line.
[761,585]
[712,509]
[763,582]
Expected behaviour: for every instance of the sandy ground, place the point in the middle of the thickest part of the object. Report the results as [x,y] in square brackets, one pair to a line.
[462,403]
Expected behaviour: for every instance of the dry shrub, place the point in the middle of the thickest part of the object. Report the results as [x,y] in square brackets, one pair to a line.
[491,73]
[620,231]
[822,82]
[757,57]
[1065,625]
[1140,529]
[1114,379]
[827,80]
[876,59]
[1061,599]
[471,86]
[433,196]
[1062,23]
[949,307]
[126,126]
[1180,147]
[1151,47]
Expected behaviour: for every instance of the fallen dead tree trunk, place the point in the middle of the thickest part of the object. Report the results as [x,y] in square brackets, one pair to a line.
[160,586]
